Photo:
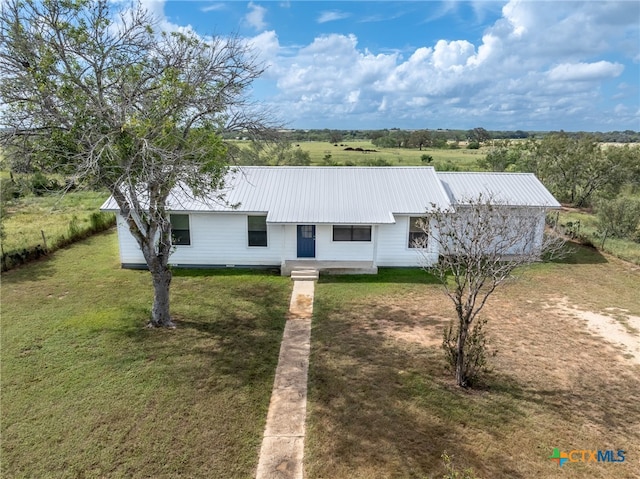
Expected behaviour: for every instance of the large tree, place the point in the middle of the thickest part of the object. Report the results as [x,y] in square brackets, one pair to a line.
[481,245]
[576,168]
[104,96]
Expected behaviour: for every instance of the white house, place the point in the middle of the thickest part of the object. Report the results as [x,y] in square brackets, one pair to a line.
[355,218]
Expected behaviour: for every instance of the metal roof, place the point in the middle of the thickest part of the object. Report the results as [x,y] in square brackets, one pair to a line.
[514,189]
[334,195]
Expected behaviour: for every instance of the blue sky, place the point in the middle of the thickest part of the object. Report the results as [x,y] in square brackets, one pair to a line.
[544,65]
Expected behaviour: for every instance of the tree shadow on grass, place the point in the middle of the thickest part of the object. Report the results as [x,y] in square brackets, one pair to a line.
[30,272]
[234,332]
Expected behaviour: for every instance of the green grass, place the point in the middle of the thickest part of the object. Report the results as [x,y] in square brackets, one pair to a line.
[29,216]
[463,159]
[382,404]
[588,230]
[88,391]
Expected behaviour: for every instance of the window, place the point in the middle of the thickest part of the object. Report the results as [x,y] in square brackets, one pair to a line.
[257,230]
[351,233]
[180,234]
[417,237]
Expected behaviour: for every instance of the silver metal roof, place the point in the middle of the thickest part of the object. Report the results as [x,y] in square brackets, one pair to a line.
[515,189]
[356,195]
[334,195]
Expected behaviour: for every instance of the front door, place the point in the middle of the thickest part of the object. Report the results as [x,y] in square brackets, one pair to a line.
[306,241]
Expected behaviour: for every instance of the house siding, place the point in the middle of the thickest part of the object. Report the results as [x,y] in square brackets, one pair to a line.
[220,239]
[216,240]
[393,246]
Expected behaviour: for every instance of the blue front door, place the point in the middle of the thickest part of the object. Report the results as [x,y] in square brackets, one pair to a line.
[306,241]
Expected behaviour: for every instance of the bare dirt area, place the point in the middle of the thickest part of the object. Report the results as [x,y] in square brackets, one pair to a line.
[566,375]
[615,325]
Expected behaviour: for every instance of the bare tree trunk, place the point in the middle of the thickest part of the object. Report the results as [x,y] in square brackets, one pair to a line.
[160,316]
[461,379]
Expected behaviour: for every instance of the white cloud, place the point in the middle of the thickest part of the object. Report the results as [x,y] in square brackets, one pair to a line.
[267,46]
[214,7]
[255,17]
[452,55]
[331,16]
[585,71]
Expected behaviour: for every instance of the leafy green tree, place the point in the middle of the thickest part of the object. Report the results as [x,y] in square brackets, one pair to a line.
[419,138]
[619,218]
[119,104]
[576,168]
[479,135]
[502,156]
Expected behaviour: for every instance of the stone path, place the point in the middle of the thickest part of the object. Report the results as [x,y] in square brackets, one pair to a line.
[281,455]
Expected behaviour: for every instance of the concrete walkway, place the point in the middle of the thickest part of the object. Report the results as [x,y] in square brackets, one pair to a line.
[282,449]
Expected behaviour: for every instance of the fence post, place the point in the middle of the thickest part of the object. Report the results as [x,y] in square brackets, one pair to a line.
[44,240]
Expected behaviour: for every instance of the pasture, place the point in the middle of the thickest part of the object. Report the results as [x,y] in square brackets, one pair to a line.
[36,225]
[463,159]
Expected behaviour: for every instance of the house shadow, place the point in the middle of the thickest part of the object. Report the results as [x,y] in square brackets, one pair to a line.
[576,253]
[385,275]
[223,271]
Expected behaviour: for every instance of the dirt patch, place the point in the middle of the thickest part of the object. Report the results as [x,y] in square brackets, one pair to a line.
[409,319]
[615,325]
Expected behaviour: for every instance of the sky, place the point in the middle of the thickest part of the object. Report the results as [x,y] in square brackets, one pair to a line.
[517,65]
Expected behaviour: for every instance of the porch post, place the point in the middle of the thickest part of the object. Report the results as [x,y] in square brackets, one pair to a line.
[374,259]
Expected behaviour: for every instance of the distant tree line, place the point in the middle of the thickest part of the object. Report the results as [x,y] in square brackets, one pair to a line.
[439,138]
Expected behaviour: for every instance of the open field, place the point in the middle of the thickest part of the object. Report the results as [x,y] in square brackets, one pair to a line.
[88,391]
[465,160]
[382,405]
[29,215]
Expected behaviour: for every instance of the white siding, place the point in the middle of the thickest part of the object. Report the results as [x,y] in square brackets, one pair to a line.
[216,239]
[393,246]
[329,250]
[220,239]
[129,250]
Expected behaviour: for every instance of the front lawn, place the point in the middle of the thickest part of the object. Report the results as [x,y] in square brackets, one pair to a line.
[88,391]
[381,403]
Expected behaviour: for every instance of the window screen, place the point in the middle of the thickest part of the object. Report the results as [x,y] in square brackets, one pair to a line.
[180,234]
[351,233]
[417,237]
[257,230]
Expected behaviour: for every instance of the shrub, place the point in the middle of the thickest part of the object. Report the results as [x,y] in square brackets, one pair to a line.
[475,350]
[40,184]
[473,145]
[452,472]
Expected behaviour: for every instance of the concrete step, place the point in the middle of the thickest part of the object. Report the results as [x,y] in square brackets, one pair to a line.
[304,274]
